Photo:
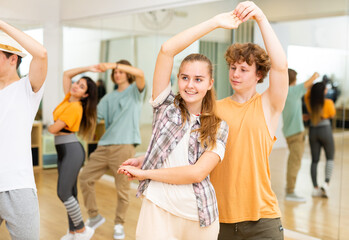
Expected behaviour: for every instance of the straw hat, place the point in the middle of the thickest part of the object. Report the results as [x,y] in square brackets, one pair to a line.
[8,44]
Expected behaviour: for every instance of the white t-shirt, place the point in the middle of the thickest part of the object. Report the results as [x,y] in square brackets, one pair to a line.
[179,200]
[18,107]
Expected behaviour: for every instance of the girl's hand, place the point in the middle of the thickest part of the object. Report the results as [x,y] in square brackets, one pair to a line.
[227,20]
[316,75]
[135,162]
[248,10]
[125,172]
[105,66]
[132,172]
[94,68]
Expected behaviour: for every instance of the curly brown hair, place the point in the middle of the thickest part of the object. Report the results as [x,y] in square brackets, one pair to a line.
[249,53]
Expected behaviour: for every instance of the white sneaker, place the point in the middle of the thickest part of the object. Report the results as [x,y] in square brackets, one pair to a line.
[317,192]
[324,189]
[86,235]
[119,231]
[95,222]
[68,236]
[294,198]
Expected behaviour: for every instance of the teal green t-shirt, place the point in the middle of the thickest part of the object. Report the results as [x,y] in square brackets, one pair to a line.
[121,113]
[292,113]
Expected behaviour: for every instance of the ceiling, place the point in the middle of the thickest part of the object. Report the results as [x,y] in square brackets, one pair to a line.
[276,10]
[108,14]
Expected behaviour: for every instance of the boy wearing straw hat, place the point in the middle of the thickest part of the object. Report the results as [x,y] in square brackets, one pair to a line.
[19,102]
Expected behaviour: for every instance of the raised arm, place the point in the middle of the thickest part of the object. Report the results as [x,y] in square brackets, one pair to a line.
[138,73]
[179,42]
[69,74]
[278,76]
[177,175]
[309,82]
[38,65]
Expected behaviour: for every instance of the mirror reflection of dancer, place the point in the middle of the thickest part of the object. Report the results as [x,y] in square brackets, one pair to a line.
[188,141]
[321,110]
[248,207]
[19,102]
[120,110]
[76,113]
[293,130]
[101,90]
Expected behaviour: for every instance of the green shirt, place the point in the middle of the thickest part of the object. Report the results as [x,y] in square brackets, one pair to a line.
[121,114]
[292,113]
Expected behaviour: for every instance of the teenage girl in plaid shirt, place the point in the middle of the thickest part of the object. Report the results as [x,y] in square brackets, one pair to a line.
[188,141]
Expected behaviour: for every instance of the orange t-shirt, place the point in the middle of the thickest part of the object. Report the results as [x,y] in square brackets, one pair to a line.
[70,113]
[328,110]
[242,180]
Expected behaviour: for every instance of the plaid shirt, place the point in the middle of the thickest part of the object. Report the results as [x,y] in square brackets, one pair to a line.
[167,132]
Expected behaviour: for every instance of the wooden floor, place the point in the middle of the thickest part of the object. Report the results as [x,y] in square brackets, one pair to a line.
[319,218]
[53,218]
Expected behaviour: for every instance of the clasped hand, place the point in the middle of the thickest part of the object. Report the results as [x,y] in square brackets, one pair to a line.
[243,12]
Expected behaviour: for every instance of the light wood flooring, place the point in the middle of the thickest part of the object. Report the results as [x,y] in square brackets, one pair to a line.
[319,218]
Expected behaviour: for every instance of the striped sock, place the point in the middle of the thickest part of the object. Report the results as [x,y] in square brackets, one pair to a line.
[328,170]
[73,210]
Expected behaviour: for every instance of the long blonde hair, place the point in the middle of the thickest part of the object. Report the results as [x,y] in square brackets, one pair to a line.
[208,119]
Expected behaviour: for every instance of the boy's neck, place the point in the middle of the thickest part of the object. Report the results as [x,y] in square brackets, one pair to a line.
[8,79]
[123,86]
[242,97]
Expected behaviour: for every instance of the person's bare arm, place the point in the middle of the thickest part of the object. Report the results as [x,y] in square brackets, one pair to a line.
[38,65]
[56,127]
[274,97]
[69,74]
[138,73]
[176,175]
[309,82]
[179,42]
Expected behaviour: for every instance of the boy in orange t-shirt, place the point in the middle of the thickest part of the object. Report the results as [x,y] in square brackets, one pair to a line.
[248,207]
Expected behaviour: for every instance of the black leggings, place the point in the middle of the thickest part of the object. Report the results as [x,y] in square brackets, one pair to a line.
[71,157]
[321,137]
